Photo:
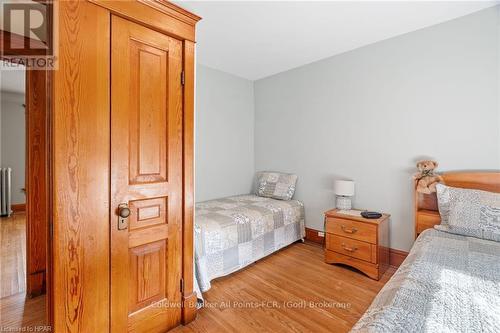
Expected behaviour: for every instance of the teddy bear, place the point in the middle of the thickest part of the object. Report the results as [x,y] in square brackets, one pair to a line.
[426,179]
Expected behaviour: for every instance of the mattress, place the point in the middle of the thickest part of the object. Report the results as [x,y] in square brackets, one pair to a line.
[448,283]
[233,232]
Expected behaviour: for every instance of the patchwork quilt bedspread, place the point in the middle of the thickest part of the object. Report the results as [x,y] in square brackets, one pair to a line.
[233,232]
[448,283]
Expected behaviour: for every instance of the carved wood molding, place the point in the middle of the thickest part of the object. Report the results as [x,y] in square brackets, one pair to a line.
[160,15]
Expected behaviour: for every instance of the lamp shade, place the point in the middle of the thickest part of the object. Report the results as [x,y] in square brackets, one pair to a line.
[344,187]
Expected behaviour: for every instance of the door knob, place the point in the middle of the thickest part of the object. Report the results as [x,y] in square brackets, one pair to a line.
[123,211]
[123,214]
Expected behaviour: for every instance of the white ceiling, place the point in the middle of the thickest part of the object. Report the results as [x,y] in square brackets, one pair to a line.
[255,39]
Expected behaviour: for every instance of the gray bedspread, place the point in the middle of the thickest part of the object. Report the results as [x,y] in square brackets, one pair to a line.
[233,232]
[448,283]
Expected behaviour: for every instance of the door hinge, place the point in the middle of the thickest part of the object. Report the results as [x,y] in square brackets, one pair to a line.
[183,78]
[182,285]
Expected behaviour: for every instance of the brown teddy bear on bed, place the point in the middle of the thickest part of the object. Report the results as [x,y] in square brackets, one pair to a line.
[426,179]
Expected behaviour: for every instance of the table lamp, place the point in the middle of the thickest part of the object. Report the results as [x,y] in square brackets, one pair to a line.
[344,189]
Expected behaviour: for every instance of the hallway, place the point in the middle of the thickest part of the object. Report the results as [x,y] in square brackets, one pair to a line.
[16,311]
[12,254]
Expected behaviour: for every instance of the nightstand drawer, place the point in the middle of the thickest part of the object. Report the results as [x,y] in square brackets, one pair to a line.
[349,247]
[352,229]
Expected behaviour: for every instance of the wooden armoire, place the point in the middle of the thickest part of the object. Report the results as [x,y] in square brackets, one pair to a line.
[122,176]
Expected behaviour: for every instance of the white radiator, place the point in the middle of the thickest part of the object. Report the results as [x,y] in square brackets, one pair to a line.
[5,191]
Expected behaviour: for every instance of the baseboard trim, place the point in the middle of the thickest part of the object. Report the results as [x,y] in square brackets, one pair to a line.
[313,236]
[16,208]
[36,284]
[189,309]
[396,257]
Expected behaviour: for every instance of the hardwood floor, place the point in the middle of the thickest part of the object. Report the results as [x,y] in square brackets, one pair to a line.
[12,254]
[290,291]
[17,313]
[21,314]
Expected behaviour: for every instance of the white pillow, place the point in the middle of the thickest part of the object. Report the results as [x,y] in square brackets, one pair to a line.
[276,185]
[467,212]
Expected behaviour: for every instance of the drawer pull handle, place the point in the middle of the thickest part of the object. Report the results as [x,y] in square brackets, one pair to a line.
[349,249]
[348,231]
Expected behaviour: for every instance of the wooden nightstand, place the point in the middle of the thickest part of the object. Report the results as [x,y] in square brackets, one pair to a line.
[358,242]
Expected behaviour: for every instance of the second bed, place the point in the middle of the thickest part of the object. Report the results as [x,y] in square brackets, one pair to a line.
[233,232]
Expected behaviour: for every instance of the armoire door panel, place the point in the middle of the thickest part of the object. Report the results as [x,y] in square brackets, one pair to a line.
[147,275]
[146,177]
[147,213]
[148,94]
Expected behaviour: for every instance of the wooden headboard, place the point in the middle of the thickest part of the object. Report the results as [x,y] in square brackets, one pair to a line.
[426,208]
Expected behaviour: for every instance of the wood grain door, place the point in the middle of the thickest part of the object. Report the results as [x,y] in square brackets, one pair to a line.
[146,177]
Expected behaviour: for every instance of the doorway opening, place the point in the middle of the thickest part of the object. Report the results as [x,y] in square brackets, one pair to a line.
[12,182]
[18,307]
[25,256]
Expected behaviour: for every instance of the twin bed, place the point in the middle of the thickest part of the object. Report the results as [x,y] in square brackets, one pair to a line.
[449,282]
[233,232]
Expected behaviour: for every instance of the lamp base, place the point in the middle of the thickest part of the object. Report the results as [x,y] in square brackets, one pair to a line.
[344,203]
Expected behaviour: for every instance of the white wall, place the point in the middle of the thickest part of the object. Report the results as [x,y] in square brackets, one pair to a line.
[13,141]
[224,162]
[370,113]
